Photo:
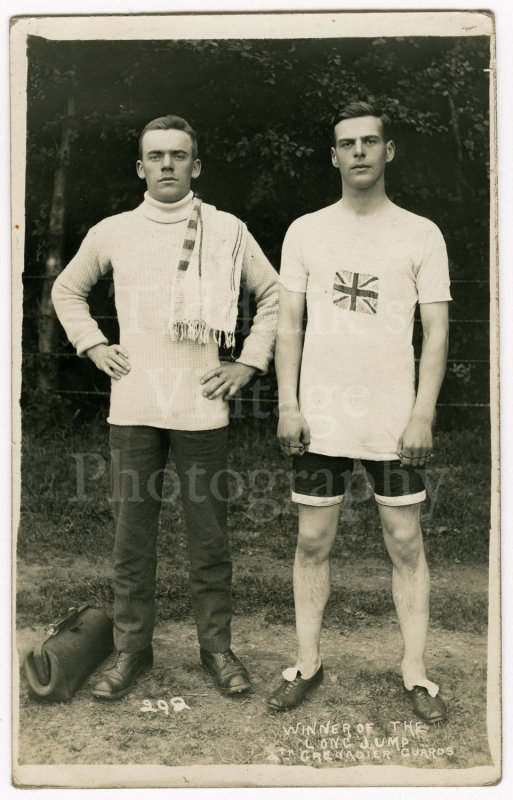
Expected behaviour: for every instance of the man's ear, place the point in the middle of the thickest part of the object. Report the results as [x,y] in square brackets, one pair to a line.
[196,168]
[390,151]
[140,169]
[334,157]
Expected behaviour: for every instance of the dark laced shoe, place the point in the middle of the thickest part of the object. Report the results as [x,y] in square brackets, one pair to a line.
[291,693]
[230,674]
[117,681]
[430,709]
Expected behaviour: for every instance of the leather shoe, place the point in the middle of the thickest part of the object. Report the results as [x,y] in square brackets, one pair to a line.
[430,709]
[119,679]
[230,674]
[291,693]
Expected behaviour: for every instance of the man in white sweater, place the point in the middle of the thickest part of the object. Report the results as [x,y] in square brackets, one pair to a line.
[176,264]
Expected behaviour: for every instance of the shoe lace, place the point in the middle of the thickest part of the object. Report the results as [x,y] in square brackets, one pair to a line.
[228,657]
[119,660]
[121,657]
[289,685]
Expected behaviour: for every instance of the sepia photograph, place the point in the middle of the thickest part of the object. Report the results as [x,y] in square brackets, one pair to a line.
[255,400]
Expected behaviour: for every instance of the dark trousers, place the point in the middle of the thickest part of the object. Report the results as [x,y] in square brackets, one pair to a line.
[138,461]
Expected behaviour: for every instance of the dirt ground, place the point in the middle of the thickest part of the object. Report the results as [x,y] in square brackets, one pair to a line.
[359,715]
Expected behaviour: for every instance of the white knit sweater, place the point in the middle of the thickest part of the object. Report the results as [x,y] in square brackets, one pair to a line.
[142,248]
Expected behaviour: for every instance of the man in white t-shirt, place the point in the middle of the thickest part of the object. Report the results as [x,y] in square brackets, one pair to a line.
[361,265]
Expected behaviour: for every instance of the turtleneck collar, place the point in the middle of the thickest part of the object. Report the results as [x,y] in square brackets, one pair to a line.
[166,212]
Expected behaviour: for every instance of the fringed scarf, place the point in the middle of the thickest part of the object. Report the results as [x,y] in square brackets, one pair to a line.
[206,284]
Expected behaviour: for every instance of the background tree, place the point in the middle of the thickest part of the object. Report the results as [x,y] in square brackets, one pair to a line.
[262,109]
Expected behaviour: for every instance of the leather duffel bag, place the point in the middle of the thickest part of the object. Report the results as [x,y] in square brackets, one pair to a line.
[74,646]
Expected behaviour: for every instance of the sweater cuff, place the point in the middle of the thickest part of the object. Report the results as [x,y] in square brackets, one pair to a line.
[257,354]
[90,340]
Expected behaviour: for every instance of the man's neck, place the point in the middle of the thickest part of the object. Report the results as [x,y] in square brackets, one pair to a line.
[364,202]
[158,211]
[164,204]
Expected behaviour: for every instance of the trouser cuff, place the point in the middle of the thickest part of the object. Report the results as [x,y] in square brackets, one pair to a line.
[217,645]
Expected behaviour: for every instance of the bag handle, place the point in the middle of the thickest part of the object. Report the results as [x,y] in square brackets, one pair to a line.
[71,614]
[55,627]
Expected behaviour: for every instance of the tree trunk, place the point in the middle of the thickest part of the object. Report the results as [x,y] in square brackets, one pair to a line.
[455,125]
[47,321]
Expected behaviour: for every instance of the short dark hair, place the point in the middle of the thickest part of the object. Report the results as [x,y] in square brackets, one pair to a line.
[360,108]
[168,123]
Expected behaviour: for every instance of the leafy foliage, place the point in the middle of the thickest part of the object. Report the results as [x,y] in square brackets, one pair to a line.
[262,110]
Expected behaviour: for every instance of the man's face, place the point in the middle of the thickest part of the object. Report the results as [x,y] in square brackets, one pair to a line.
[361,153]
[167,164]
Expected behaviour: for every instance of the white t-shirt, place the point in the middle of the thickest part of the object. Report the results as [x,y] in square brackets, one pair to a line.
[362,280]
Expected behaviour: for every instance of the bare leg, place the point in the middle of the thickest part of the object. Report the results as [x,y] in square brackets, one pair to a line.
[317,530]
[410,584]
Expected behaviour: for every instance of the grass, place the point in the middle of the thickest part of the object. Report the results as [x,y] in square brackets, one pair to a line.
[272,598]
[64,511]
[65,514]
[358,690]
[457,611]
[64,548]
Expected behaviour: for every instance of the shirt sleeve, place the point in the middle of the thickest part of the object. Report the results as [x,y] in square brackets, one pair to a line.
[293,273]
[71,289]
[433,283]
[262,281]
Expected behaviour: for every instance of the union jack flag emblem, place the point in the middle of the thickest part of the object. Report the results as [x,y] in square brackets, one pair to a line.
[354,291]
